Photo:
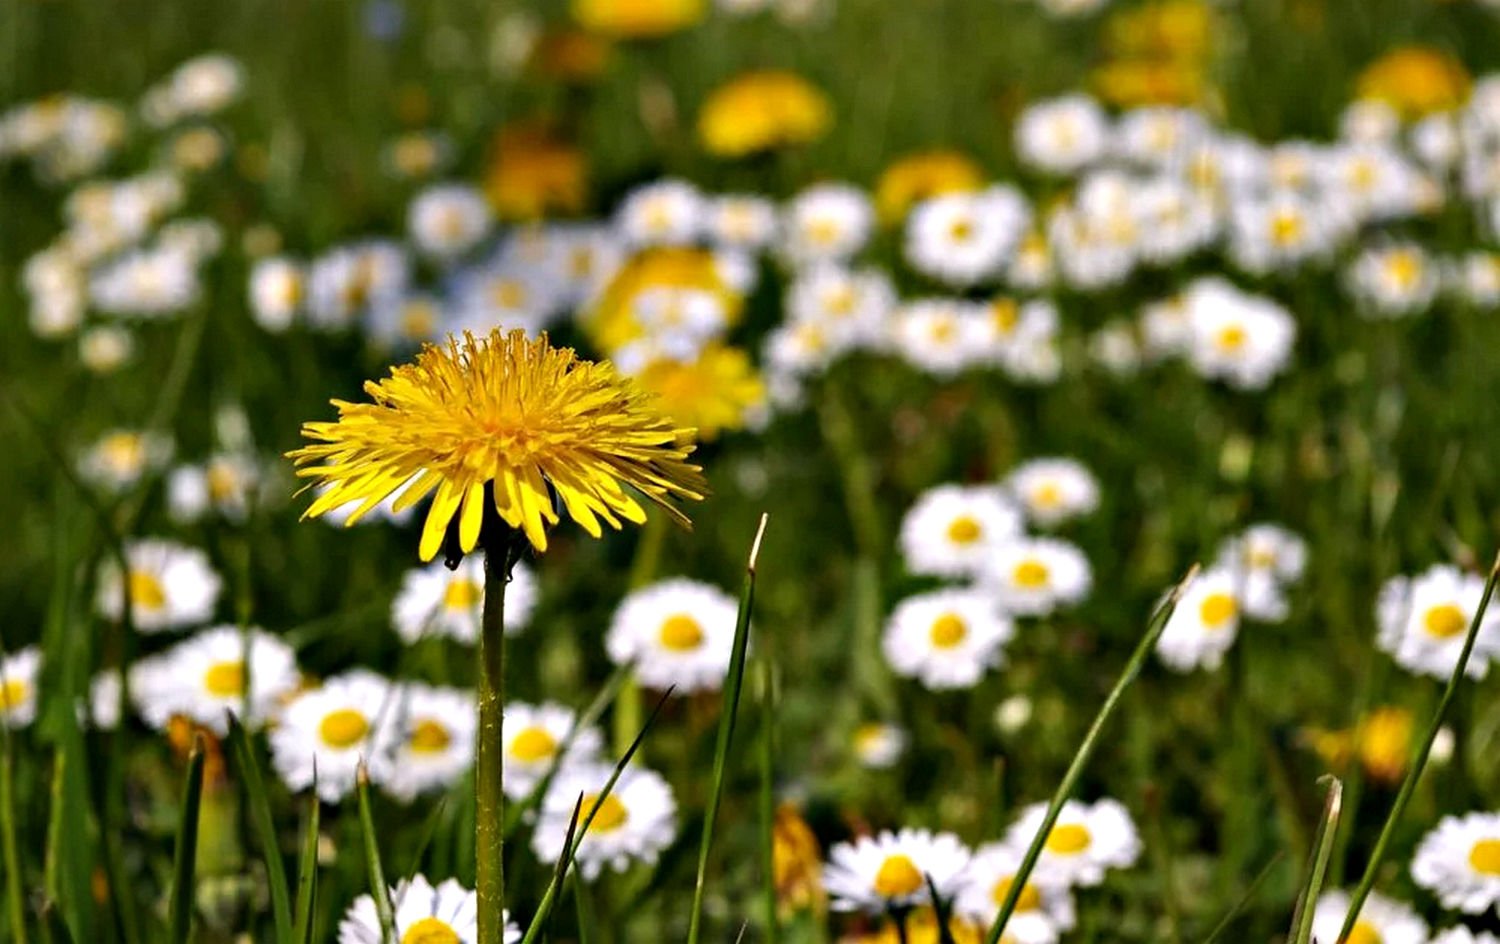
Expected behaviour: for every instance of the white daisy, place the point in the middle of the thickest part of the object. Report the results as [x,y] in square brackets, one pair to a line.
[852,306]
[1020,338]
[878,745]
[1459,861]
[433,745]
[892,870]
[171,586]
[1381,920]
[1062,135]
[121,457]
[1423,622]
[1462,935]
[106,348]
[741,221]
[205,676]
[1243,340]
[1087,840]
[1043,909]
[331,729]
[1034,576]
[447,220]
[939,336]
[664,213]
[1263,559]
[952,530]
[447,914]
[225,485]
[1394,279]
[962,239]
[1204,624]
[436,601]
[502,294]
[146,284]
[406,322]
[634,822]
[277,289]
[675,632]
[348,280]
[826,223]
[1053,490]
[534,734]
[19,673]
[946,638]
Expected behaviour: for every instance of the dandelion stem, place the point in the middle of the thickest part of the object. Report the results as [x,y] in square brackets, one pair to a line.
[1085,751]
[489,795]
[1419,761]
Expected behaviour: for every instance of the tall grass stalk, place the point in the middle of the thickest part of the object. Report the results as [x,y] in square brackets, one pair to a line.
[1419,760]
[258,804]
[307,870]
[1317,867]
[1245,899]
[185,855]
[1086,750]
[734,682]
[15,899]
[379,890]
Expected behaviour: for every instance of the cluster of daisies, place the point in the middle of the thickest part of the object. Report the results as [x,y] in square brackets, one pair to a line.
[894,872]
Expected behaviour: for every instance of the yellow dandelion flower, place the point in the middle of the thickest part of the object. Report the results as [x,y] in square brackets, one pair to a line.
[1130,83]
[916,177]
[922,928]
[613,321]
[533,172]
[507,422]
[637,19]
[1416,81]
[762,111]
[710,394]
[570,55]
[796,861]
[1384,743]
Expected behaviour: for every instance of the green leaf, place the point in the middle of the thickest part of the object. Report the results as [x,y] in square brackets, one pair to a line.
[258,803]
[379,890]
[185,856]
[1317,867]
[307,871]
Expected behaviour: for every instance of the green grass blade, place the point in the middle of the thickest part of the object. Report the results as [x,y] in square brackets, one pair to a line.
[734,682]
[1065,789]
[15,897]
[379,890]
[767,799]
[307,871]
[1317,867]
[1244,900]
[54,928]
[185,856]
[258,802]
[1419,760]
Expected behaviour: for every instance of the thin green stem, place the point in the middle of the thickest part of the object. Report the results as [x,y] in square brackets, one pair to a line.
[1419,761]
[1245,899]
[767,678]
[1086,750]
[185,856]
[14,895]
[489,793]
[380,890]
[1317,873]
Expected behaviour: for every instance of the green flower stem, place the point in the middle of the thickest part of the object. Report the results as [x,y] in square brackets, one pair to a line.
[14,894]
[489,795]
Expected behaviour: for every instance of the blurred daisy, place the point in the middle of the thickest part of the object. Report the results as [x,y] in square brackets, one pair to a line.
[947,638]
[740,221]
[952,530]
[331,730]
[914,178]
[226,485]
[146,284]
[675,632]
[433,744]
[1277,232]
[1241,339]
[120,458]
[278,287]
[634,822]
[826,223]
[962,239]
[1043,909]
[1263,559]
[878,745]
[447,914]
[204,677]
[1204,624]
[891,870]
[170,586]
[1394,279]
[1053,490]
[534,736]
[1424,620]
[447,220]
[1087,840]
[19,673]
[347,281]
[1062,135]
[1381,920]
[1459,862]
[939,336]
[502,293]
[106,349]
[852,306]
[1034,576]
[435,601]
[1462,935]
[665,213]
[104,700]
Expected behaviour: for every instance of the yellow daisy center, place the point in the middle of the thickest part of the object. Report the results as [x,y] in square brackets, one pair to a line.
[1217,609]
[508,293]
[124,452]
[429,737]
[961,231]
[1286,229]
[823,232]
[611,816]
[418,320]
[942,331]
[1029,900]
[533,744]
[462,594]
[1363,933]
[1485,856]
[948,631]
[1445,621]
[1046,495]
[898,877]
[681,633]
[223,482]
[343,728]
[225,679]
[13,692]
[1069,839]
[146,591]
[1005,314]
[1404,268]
[1031,574]
[1231,338]
[965,529]
[430,931]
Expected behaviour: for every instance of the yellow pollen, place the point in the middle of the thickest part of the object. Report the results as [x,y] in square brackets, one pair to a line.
[681,633]
[961,231]
[1005,314]
[13,692]
[1286,229]
[223,483]
[1445,621]
[1485,856]
[964,530]
[430,931]
[1363,933]
[124,452]
[1046,495]
[146,592]
[508,293]
[1069,839]
[611,816]
[225,679]
[943,331]
[1404,268]
[462,594]
[1217,609]
[343,728]
[1261,558]
[840,302]
[1030,574]
[1029,900]
[429,737]
[533,744]
[898,877]
[1231,338]
[823,232]
[418,320]
[948,631]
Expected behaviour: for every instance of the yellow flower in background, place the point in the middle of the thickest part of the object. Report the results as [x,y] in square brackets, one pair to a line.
[1416,81]
[916,177]
[762,111]
[570,55]
[710,394]
[504,421]
[637,19]
[534,173]
[922,928]
[796,861]
[1129,83]
[614,320]
[1157,54]
[1384,743]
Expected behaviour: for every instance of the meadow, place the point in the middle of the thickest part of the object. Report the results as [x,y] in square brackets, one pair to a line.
[958,470]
